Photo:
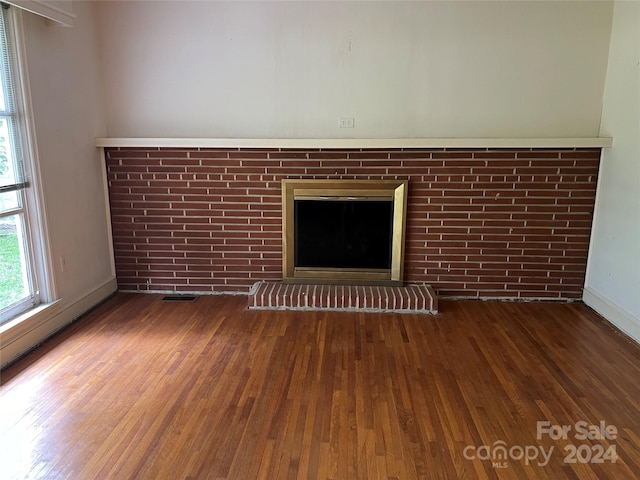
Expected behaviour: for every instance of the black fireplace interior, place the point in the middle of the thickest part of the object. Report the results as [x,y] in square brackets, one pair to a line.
[343,233]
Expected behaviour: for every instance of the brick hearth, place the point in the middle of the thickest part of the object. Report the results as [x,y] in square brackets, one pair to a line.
[281,296]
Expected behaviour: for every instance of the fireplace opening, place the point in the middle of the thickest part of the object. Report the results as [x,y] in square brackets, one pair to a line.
[333,233]
[343,231]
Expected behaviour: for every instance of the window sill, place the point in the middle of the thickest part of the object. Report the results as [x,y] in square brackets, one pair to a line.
[27,321]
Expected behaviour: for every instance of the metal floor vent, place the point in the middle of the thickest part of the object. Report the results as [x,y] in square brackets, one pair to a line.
[179,298]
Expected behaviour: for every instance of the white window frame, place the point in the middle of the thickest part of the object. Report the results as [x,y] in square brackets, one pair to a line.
[33,208]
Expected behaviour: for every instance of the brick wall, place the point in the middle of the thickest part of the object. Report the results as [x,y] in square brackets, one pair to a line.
[480,223]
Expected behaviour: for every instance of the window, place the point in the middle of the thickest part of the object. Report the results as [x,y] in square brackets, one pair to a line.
[19,260]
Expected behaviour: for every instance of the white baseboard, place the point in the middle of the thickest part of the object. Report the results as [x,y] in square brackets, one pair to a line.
[619,317]
[45,320]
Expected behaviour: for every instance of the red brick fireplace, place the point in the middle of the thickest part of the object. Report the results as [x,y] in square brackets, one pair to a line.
[488,223]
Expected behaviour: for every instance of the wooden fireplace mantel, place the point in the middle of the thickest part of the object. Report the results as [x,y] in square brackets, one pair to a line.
[337,143]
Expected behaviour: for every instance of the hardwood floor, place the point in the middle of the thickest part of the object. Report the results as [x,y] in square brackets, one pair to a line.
[145,389]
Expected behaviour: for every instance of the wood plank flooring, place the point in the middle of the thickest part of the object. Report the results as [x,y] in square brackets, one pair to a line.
[145,389]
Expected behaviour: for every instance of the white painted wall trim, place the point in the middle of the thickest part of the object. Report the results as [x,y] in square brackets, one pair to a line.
[18,337]
[41,238]
[594,222]
[586,142]
[59,11]
[107,207]
[622,319]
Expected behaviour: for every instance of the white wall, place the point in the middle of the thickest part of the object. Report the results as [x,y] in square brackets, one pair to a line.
[613,276]
[68,113]
[402,69]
